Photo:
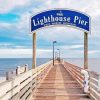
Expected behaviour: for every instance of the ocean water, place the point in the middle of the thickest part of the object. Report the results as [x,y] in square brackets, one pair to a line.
[9,64]
[93,63]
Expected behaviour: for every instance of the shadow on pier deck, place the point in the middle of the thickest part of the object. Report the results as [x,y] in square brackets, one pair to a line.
[59,85]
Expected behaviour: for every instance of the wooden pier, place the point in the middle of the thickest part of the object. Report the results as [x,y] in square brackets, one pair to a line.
[63,81]
[59,85]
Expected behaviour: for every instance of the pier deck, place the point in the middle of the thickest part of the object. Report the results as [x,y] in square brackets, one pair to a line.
[59,85]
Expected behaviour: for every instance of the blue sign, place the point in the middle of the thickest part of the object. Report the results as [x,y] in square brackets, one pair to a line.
[60,17]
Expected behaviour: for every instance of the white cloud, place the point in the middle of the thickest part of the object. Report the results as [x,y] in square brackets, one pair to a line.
[13,53]
[5,25]
[90,7]
[7,5]
[6,44]
[60,34]
[70,47]
[44,53]
[94,51]
[23,23]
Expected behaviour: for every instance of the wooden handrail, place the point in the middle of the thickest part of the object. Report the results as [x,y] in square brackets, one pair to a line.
[21,86]
[94,86]
[75,72]
[94,80]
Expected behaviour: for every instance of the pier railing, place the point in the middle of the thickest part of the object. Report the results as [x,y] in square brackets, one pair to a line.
[95,86]
[21,86]
[16,72]
[94,80]
[75,71]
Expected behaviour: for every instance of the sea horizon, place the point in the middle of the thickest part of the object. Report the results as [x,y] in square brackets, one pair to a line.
[9,64]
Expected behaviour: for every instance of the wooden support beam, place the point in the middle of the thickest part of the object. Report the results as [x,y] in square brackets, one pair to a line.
[34,51]
[85,50]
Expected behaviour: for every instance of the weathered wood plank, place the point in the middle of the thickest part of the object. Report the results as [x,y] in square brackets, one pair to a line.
[19,85]
[59,85]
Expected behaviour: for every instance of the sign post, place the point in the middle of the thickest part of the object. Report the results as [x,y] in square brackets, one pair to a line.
[85,50]
[34,51]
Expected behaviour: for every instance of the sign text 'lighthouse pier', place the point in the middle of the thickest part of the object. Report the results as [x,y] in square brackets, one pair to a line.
[60,17]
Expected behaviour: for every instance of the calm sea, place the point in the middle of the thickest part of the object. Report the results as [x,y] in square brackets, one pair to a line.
[93,64]
[8,64]
[11,63]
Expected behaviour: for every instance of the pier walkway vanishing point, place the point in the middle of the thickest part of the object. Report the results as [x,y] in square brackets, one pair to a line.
[59,85]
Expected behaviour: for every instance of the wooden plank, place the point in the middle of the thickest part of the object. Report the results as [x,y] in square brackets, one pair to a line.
[93,80]
[26,94]
[15,97]
[58,83]
[95,94]
[11,89]
[23,91]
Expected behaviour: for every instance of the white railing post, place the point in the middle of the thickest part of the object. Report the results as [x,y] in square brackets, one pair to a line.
[99,84]
[18,70]
[86,80]
[26,67]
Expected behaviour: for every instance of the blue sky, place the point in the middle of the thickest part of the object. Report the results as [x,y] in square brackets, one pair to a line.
[16,40]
